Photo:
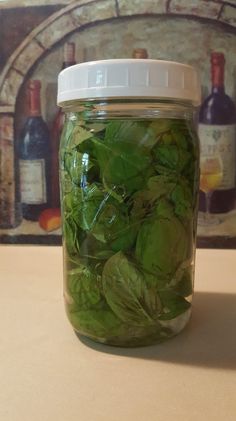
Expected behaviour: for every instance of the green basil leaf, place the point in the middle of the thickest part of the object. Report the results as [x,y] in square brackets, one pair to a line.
[182,197]
[102,324]
[127,293]
[173,305]
[83,287]
[162,243]
[172,157]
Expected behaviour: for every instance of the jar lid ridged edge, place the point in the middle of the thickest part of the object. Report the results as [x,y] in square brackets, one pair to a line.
[130,78]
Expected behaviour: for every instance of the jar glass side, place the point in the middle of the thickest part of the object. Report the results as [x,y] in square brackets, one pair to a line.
[129,174]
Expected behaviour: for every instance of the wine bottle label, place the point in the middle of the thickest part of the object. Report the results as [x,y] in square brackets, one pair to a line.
[218,142]
[33,181]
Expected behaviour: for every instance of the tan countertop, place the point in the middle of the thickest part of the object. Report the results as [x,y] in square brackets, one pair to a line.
[48,374]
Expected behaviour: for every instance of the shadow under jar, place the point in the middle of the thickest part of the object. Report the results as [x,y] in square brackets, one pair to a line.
[129,174]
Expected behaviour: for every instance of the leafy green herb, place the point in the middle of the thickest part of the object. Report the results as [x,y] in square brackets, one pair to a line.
[173,305]
[184,282]
[121,155]
[127,293]
[162,242]
[83,287]
[97,324]
[129,192]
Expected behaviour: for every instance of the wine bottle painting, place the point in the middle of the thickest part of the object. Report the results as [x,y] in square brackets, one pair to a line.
[37,149]
[34,158]
[54,38]
[217,134]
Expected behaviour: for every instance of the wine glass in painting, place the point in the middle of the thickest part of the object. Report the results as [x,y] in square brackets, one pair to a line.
[211,173]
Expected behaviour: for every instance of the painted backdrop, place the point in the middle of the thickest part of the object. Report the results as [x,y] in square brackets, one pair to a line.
[32,45]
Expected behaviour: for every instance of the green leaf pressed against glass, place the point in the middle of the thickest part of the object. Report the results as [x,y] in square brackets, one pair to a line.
[129,199]
[123,156]
[173,305]
[96,323]
[162,242]
[182,198]
[83,287]
[127,293]
[184,285]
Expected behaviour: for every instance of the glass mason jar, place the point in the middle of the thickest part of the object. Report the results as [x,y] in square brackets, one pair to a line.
[129,174]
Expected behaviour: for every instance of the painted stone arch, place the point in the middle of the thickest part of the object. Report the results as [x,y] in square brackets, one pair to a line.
[83,12]
[70,18]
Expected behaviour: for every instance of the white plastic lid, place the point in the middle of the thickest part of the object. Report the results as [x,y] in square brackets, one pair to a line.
[129,78]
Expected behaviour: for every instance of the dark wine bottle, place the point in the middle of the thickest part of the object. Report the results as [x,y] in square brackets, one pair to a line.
[34,158]
[217,135]
[69,60]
